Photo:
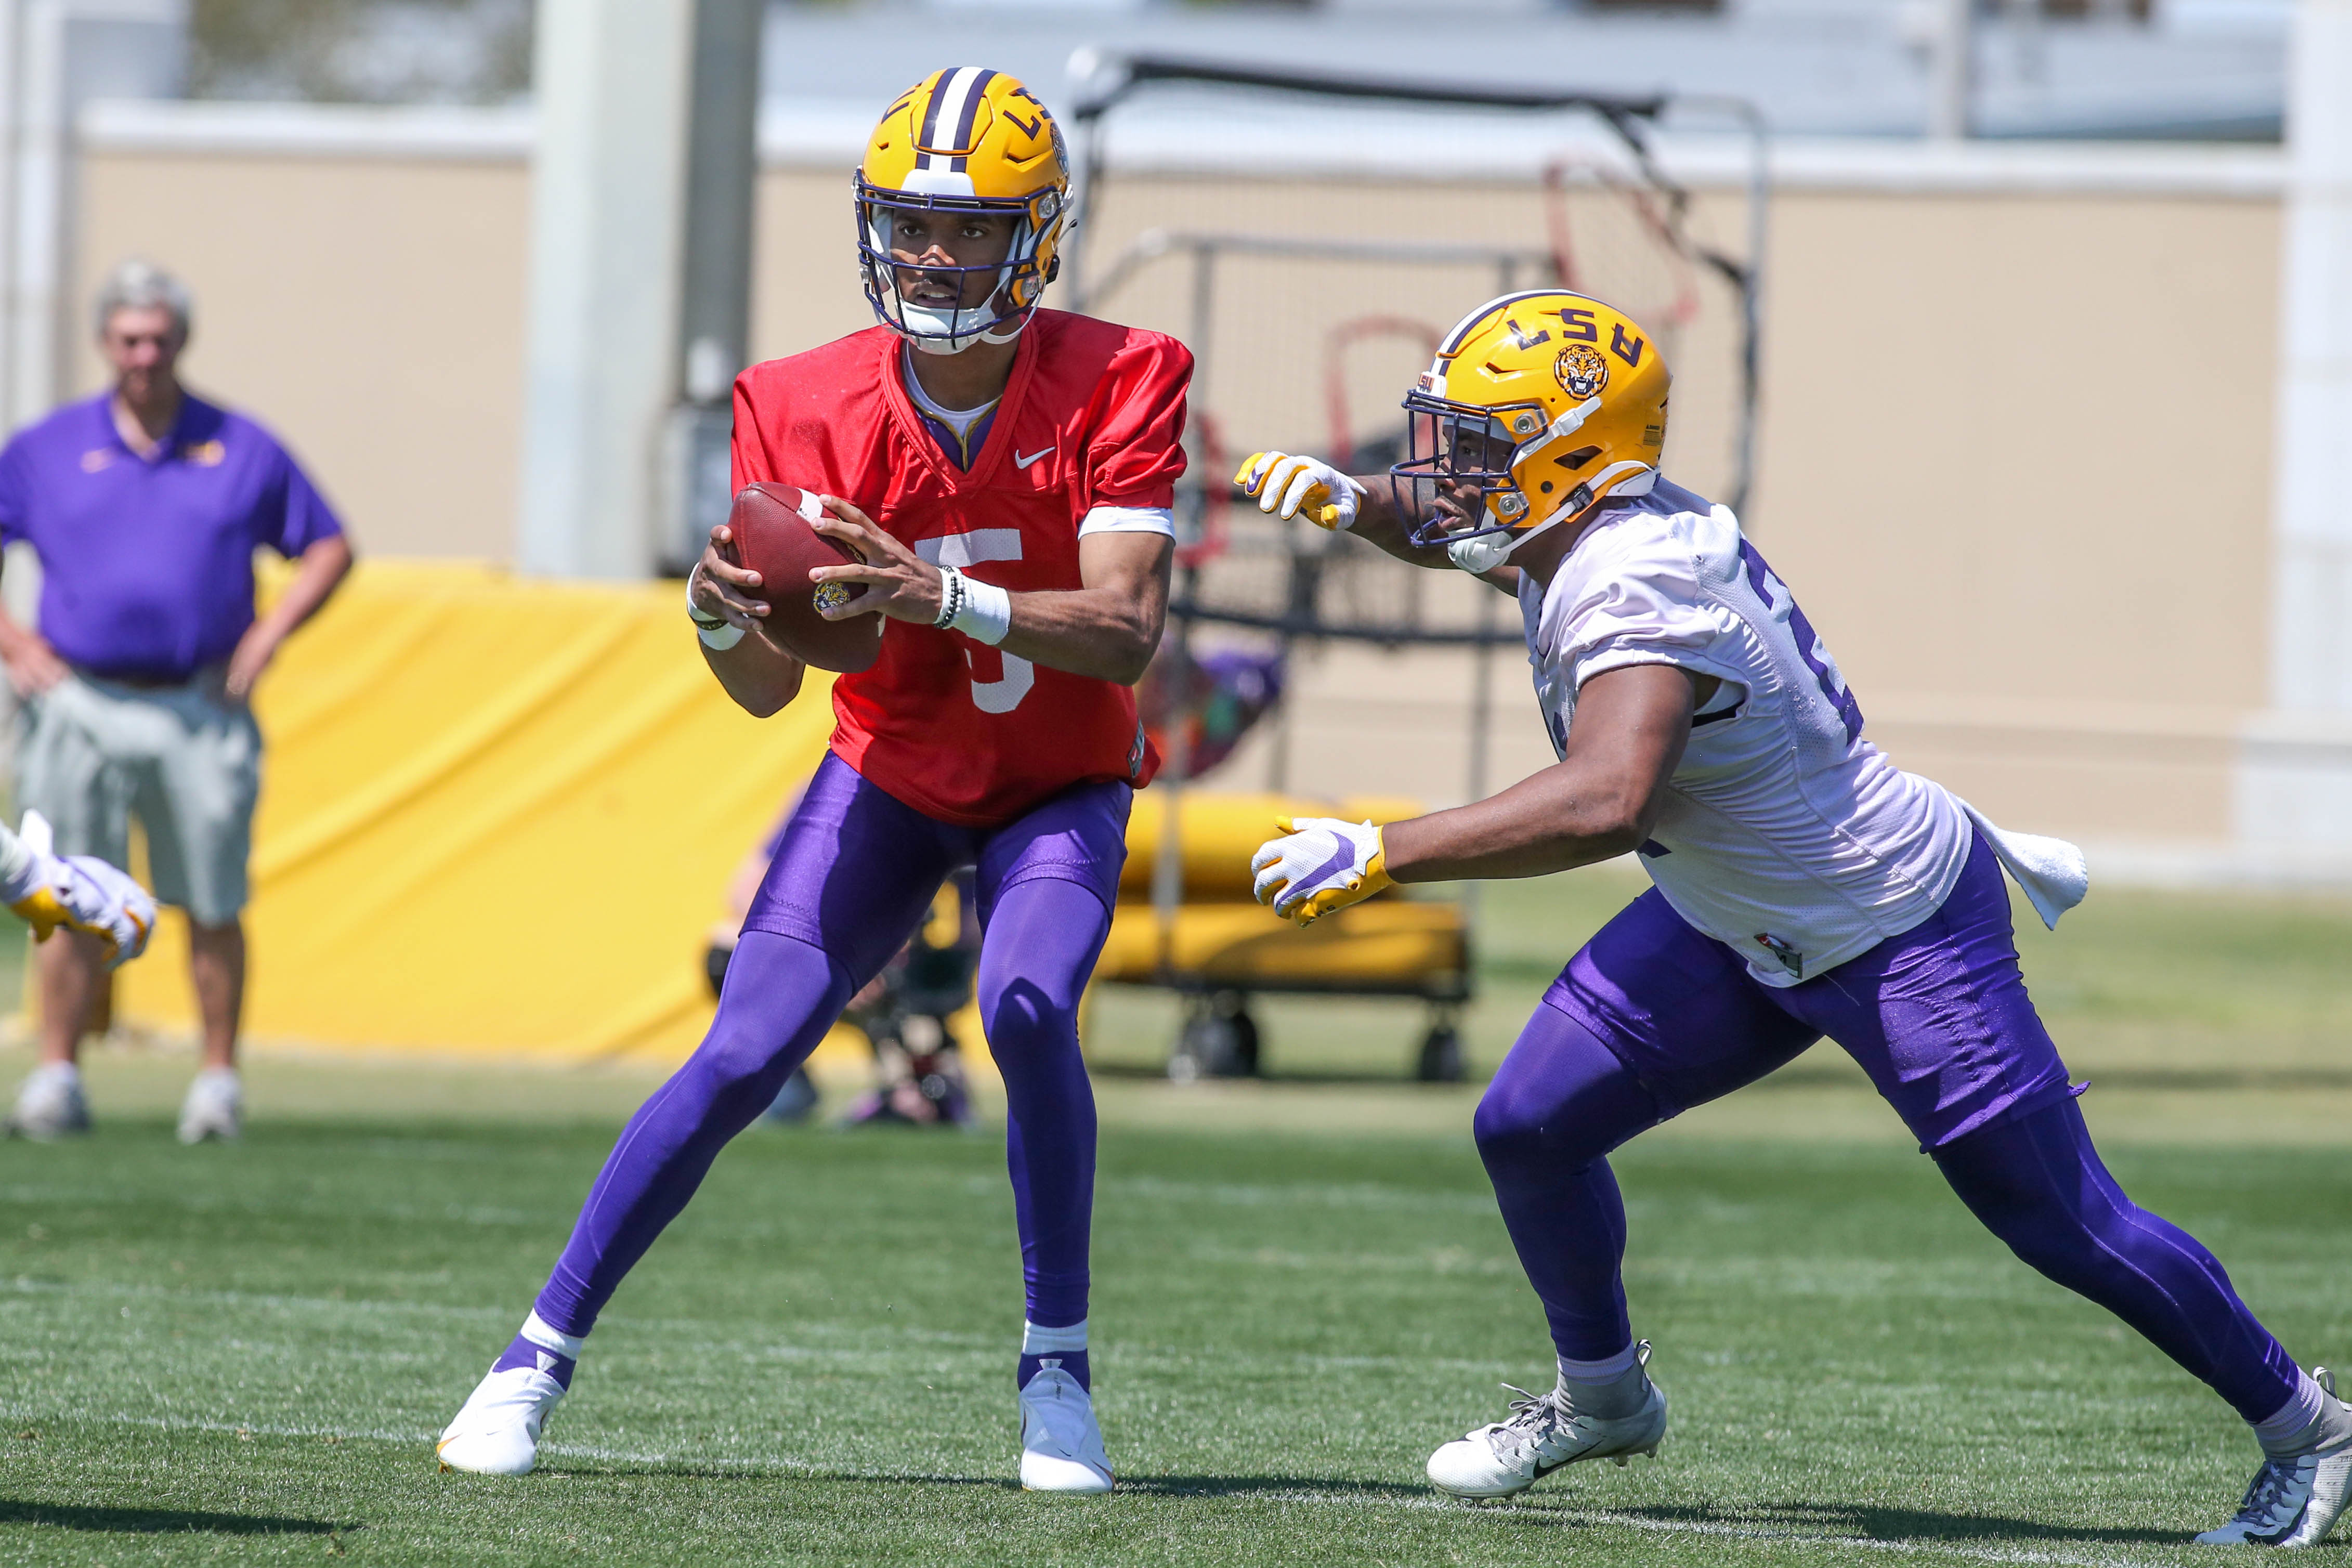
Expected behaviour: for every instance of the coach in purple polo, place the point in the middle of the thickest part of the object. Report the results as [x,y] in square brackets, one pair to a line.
[145,505]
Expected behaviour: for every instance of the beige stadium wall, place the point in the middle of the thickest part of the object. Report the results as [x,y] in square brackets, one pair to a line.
[2015,448]
[368,309]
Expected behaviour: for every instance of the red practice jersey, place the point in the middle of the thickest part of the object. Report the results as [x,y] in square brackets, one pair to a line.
[1093,416]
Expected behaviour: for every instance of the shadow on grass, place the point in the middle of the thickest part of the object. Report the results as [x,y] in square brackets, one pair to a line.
[1128,1486]
[1249,1486]
[161,1521]
[1863,1523]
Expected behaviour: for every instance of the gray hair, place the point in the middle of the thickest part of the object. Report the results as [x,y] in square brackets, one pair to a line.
[136,285]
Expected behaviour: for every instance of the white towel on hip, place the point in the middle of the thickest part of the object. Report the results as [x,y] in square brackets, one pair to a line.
[2051,871]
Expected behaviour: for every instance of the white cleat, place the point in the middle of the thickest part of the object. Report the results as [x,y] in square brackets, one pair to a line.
[2292,1502]
[49,1105]
[215,1107]
[497,1432]
[1544,1433]
[1061,1442]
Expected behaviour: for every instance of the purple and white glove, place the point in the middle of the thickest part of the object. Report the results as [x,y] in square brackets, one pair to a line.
[1290,487]
[1319,865]
[79,892]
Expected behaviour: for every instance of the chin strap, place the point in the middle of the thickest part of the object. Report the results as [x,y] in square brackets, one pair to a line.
[1486,552]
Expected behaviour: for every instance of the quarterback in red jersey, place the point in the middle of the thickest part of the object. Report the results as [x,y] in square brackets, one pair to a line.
[1006,475]
[1080,454]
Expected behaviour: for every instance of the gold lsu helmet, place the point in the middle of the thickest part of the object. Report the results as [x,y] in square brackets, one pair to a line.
[965,139]
[1549,402]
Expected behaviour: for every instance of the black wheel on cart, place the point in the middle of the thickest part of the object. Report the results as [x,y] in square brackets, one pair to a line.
[1244,1040]
[1441,1056]
[1220,1039]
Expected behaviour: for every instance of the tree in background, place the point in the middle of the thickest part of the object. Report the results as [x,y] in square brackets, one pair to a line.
[361,51]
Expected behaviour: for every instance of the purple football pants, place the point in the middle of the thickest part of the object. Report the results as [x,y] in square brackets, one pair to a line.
[1652,1017]
[856,871]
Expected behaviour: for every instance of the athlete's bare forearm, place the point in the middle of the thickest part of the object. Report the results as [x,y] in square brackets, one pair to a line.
[1600,801]
[1109,628]
[1381,524]
[1106,628]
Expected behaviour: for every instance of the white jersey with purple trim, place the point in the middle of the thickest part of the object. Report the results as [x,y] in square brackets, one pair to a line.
[1784,833]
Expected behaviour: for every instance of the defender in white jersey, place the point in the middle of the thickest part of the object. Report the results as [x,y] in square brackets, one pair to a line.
[1805,886]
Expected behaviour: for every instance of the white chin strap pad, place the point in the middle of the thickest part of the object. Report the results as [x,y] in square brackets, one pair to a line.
[1489,550]
[1482,553]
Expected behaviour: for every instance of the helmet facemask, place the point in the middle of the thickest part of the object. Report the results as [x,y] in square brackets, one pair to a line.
[1493,449]
[1016,283]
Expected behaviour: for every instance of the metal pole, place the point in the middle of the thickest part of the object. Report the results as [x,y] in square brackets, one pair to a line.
[1952,72]
[1751,296]
[721,181]
[610,78]
[12,32]
[1168,869]
[714,327]
[36,239]
[1482,727]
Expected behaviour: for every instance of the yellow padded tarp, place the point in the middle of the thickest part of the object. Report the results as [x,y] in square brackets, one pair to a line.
[499,815]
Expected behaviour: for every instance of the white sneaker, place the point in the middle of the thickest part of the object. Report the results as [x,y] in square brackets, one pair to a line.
[215,1107]
[497,1432]
[1544,1433]
[2292,1502]
[1061,1442]
[50,1105]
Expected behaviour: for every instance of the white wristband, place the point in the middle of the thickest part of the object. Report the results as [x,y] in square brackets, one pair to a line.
[719,639]
[986,613]
[695,612]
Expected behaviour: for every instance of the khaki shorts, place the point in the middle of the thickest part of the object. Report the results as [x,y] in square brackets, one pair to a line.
[92,752]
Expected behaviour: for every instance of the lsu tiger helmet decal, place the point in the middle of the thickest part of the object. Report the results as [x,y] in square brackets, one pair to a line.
[1548,401]
[964,139]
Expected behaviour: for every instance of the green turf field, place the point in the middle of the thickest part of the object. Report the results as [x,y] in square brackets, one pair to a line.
[242,1353]
[246,1351]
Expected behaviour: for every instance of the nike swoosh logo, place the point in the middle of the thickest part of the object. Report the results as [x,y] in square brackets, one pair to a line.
[1021,462]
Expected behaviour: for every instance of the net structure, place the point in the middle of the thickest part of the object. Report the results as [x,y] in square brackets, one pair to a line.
[1306,337]
[1310,308]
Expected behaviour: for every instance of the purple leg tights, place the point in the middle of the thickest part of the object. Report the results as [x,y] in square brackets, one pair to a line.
[2038,1184]
[854,870]
[781,997]
[1043,936]
[1564,1099]
[1560,1103]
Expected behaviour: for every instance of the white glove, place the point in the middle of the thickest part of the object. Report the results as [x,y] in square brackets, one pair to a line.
[1320,865]
[1283,484]
[79,892]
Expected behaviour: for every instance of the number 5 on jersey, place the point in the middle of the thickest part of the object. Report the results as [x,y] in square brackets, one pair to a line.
[963,550]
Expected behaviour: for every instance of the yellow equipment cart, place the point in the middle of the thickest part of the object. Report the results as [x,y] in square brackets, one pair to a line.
[1219,947]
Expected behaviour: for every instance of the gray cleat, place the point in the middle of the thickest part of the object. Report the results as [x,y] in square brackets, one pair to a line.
[1545,1432]
[2292,1502]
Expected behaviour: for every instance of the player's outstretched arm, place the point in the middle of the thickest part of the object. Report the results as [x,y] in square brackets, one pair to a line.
[1365,505]
[1598,802]
[759,676]
[1106,628]
[1595,804]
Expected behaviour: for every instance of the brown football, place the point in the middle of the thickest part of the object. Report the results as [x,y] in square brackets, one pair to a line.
[772,537]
